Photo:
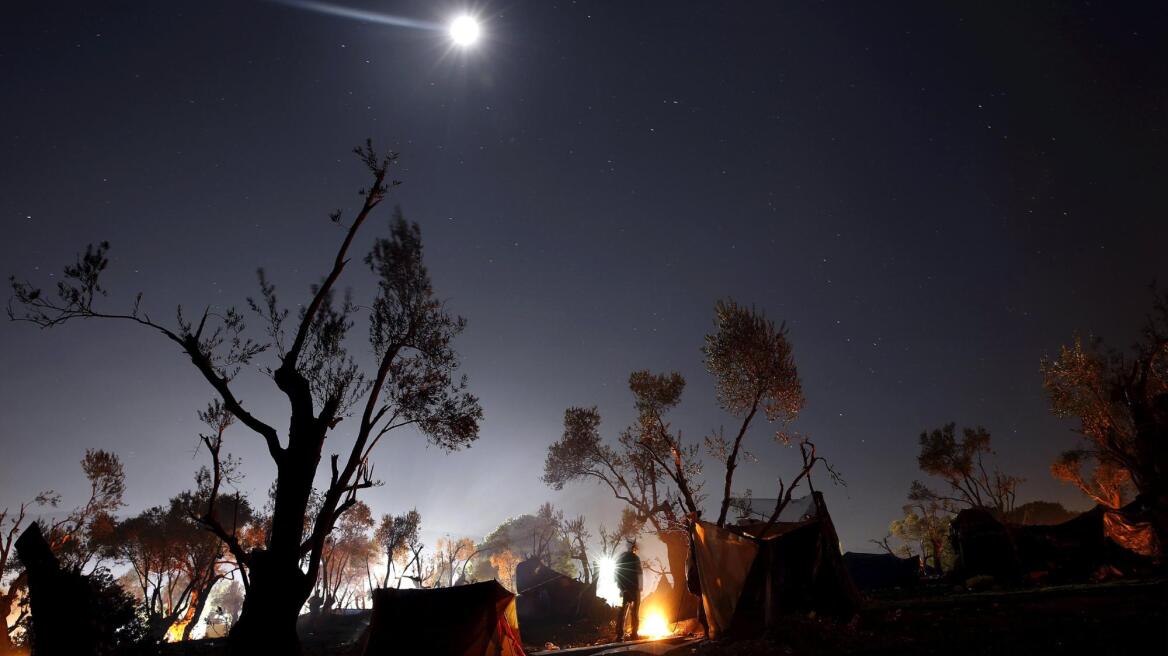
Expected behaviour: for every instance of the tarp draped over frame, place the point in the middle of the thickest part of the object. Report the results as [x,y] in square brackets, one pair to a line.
[752,573]
[466,620]
[1137,537]
[724,560]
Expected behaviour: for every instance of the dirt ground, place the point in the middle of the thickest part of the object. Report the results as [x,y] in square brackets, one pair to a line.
[1122,618]
[579,634]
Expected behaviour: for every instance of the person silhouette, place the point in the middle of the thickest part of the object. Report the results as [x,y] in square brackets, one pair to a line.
[628,580]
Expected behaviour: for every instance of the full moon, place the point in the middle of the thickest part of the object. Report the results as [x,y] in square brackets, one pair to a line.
[464,30]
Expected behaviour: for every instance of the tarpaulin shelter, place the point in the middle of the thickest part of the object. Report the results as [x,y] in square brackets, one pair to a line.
[984,546]
[750,574]
[1073,550]
[467,620]
[549,596]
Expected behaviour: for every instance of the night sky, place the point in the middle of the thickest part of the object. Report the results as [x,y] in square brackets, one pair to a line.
[931,195]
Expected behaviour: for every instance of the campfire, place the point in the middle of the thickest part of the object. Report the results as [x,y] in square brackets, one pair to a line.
[654,625]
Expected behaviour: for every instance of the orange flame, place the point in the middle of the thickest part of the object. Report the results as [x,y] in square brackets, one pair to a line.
[175,632]
[654,625]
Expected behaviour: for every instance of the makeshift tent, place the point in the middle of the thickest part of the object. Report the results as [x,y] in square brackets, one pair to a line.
[871,571]
[750,573]
[1101,538]
[1078,548]
[984,546]
[547,596]
[467,620]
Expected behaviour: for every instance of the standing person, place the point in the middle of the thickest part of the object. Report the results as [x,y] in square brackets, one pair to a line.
[628,579]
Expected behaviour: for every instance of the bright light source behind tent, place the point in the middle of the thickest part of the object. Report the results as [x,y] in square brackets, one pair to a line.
[606,587]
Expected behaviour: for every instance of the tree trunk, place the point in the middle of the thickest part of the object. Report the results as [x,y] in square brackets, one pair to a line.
[267,622]
[681,603]
[61,602]
[6,599]
[278,586]
[199,605]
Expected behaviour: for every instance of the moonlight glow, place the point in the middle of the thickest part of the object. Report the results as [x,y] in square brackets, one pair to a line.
[465,31]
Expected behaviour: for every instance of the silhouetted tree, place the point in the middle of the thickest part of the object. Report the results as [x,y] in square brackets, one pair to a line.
[653,469]
[451,556]
[577,536]
[538,536]
[629,471]
[1121,402]
[1040,513]
[414,382]
[74,538]
[503,564]
[175,563]
[627,528]
[344,561]
[961,464]
[75,613]
[12,575]
[394,535]
[415,546]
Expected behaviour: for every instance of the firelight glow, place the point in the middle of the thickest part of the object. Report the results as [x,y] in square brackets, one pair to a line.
[654,625]
[465,31]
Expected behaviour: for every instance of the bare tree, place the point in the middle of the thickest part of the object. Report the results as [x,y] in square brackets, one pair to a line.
[547,530]
[451,556]
[577,535]
[414,382]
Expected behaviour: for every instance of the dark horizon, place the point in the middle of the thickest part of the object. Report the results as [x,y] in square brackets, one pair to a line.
[931,198]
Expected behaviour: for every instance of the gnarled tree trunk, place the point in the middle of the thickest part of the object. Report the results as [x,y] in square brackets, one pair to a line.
[278,586]
[267,622]
[60,601]
[681,604]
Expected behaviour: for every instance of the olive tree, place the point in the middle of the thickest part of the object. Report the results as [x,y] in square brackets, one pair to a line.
[656,472]
[413,380]
[1120,399]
